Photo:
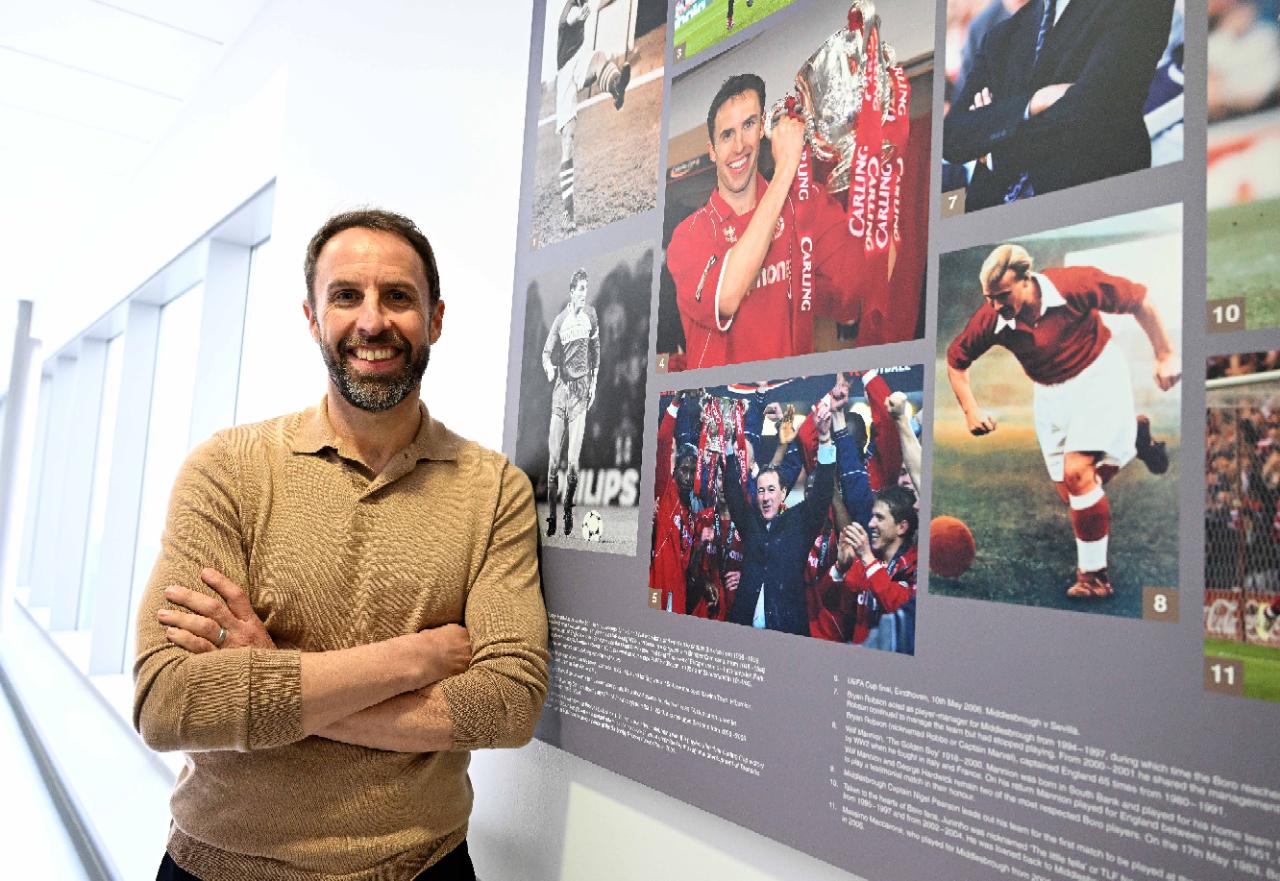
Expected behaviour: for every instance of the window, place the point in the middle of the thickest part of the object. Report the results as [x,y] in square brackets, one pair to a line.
[168,436]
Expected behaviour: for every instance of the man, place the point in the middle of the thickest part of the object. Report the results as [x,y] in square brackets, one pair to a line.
[673,527]
[1055,97]
[739,263]
[877,567]
[346,600]
[576,69]
[1084,413]
[776,542]
[571,360]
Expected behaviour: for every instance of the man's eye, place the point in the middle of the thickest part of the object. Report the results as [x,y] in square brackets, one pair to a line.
[342,296]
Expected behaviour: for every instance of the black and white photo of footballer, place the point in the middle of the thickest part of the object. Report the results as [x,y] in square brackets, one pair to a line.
[571,358]
[582,398]
[601,101]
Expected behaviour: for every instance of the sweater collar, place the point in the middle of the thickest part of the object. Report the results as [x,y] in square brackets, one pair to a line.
[315,433]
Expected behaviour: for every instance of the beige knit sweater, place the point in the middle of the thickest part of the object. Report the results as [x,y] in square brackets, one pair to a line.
[332,557]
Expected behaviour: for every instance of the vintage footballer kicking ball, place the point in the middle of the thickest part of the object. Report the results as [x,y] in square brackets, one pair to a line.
[593,526]
[951,546]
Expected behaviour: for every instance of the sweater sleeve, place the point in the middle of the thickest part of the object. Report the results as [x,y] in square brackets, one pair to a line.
[242,698]
[497,700]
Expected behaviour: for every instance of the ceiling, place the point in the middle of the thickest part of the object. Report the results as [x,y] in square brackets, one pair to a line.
[87,89]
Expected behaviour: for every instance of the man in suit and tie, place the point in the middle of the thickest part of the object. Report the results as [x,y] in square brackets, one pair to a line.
[1054,97]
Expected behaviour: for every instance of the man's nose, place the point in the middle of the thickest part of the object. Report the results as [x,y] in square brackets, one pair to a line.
[371,319]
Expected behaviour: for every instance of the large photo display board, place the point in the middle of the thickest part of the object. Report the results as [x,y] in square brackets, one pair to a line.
[904,325]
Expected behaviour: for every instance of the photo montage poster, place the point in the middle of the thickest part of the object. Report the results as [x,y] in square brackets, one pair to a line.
[1013,279]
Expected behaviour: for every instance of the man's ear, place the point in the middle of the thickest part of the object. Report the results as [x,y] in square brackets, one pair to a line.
[436,321]
[312,320]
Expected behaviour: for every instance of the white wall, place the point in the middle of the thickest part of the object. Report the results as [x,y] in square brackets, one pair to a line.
[393,104]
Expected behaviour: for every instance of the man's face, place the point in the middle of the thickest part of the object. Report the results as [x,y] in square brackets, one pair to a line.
[884,530]
[735,142]
[684,474]
[1010,294]
[578,295]
[373,318]
[769,495]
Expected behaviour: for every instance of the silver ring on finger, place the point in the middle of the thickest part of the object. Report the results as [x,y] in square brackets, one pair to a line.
[222,637]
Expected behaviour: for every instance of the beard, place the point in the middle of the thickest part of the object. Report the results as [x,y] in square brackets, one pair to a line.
[381,392]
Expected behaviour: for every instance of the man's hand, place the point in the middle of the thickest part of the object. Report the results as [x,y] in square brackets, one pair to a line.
[212,624]
[1168,371]
[443,652]
[979,423]
[786,426]
[787,143]
[822,419]
[1046,97]
[839,393]
[981,99]
[551,373]
[859,543]
[731,580]
[896,404]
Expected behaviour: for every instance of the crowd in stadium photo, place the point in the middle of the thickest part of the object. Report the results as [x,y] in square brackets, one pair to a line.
[792,506]
[1242,481]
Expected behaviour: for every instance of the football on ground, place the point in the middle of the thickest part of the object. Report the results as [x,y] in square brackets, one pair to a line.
[951,546]
[593,526]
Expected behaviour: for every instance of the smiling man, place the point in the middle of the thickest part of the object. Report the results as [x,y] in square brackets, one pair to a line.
[776,540]
[878,566]
[740,262]
[346,601]
[1085,419]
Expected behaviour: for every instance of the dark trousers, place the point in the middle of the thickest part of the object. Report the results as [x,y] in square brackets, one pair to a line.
[456,866]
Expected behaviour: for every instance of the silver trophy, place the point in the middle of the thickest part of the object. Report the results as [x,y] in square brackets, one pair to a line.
[830,87]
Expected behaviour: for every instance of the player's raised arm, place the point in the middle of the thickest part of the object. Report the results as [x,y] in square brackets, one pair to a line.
[742,262]
[1168,370]
[912,454]
[977,421]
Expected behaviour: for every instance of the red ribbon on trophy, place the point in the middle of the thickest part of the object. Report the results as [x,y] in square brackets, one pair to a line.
[854,100]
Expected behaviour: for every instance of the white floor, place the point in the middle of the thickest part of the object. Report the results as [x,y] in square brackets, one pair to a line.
[36,842]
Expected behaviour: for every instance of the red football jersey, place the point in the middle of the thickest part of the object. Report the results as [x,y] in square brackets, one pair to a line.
[774,320]
[1069,334]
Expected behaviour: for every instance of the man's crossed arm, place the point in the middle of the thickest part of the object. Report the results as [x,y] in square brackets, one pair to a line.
[379,695]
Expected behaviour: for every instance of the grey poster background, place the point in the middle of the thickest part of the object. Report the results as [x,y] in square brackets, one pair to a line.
[1132,686]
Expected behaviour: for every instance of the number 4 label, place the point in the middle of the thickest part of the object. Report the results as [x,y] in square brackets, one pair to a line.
[1227,314]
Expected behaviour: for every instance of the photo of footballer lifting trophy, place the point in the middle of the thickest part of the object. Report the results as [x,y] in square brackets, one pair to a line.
[1043,95]
[599,115]
[1243,177]
[1055,453]
[1242,519]
[792,506]
[581,398]
[797,189]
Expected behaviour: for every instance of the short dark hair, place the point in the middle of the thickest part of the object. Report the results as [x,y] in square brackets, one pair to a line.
[579,274]
[770,469]
[733,86]
[901,503]
[377,219]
